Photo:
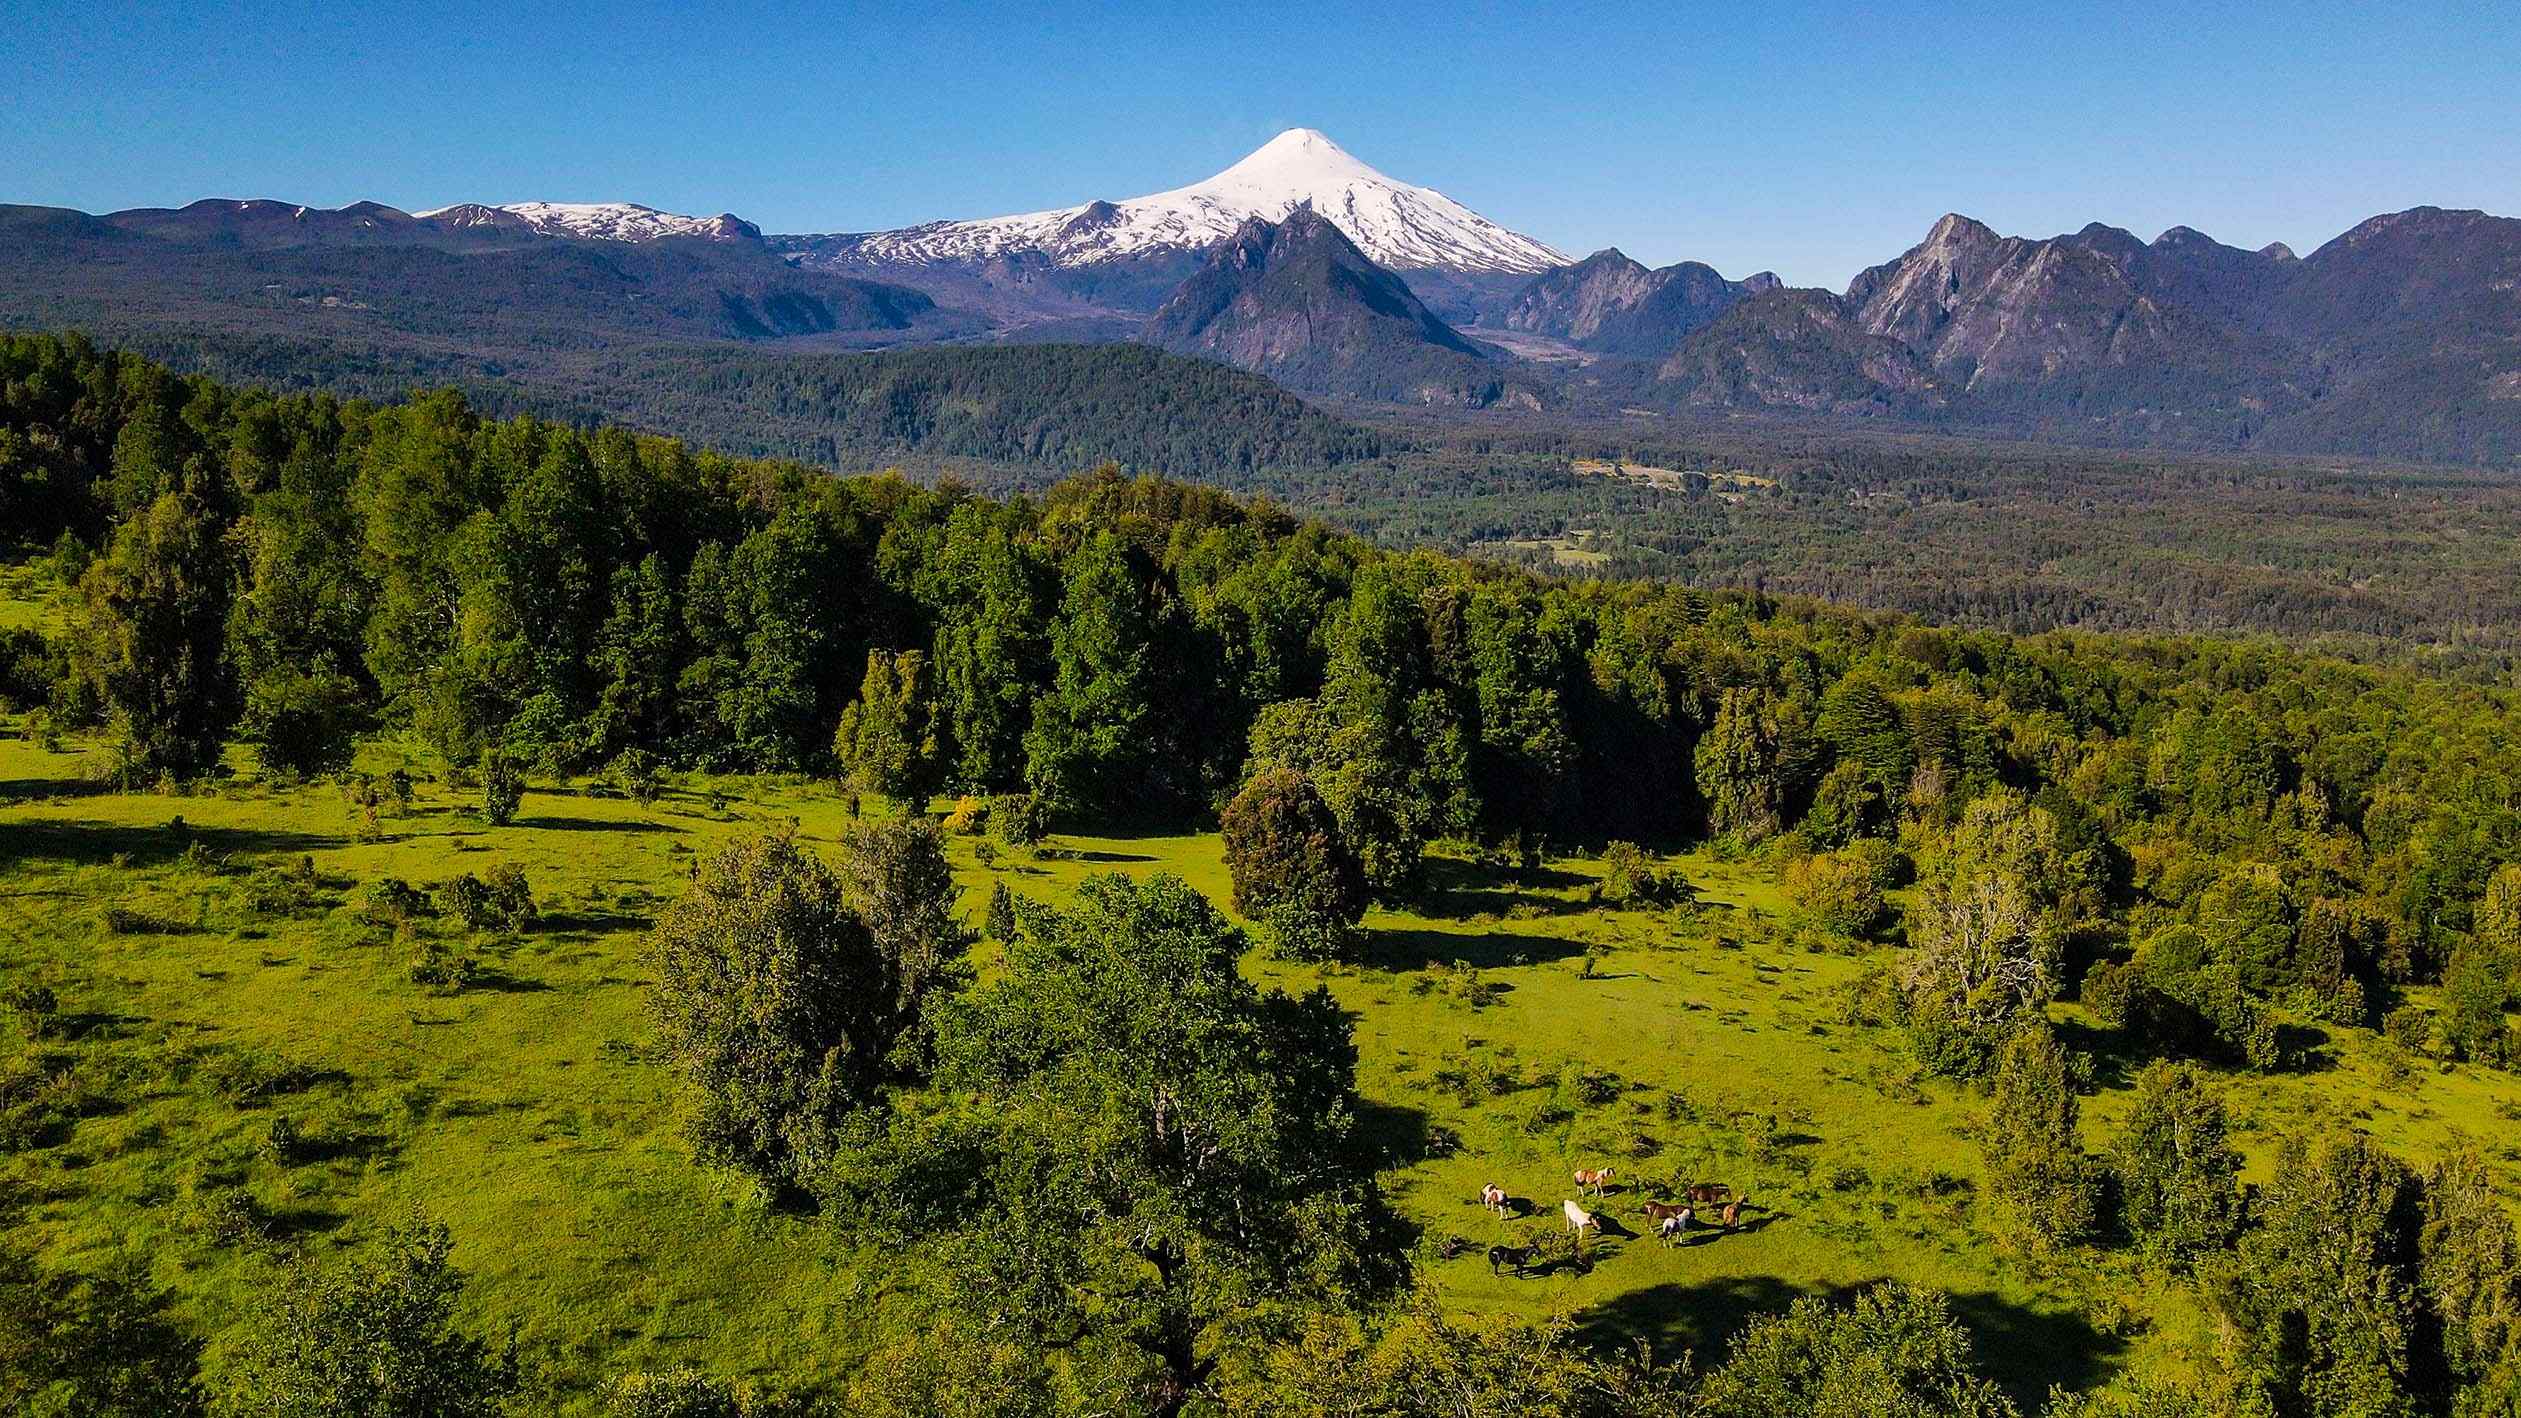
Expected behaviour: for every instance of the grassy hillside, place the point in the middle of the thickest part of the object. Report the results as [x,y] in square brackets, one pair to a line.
[1510,1031]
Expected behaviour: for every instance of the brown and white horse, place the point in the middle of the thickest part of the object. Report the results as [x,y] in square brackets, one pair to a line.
[1493,1197]
[1593,1179]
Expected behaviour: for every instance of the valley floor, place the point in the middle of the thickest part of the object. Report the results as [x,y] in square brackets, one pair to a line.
[1510,1031]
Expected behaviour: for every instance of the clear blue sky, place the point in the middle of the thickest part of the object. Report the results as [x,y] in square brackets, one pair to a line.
[1813,139]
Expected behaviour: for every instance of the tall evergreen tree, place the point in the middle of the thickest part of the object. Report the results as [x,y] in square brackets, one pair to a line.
[1089,747]
[2178,1172]
[886,742]
[151,637]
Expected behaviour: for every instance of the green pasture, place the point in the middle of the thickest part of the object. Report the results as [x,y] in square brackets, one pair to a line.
[1509,1031]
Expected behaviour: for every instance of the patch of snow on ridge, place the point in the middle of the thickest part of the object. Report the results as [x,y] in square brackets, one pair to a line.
[609,221]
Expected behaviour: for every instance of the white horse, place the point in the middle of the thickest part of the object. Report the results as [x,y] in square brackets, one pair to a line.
[1493,1197]
[1580,1220]
[1674,1226]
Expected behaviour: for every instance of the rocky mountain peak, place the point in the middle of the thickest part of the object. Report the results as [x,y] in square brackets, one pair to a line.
[1953,232]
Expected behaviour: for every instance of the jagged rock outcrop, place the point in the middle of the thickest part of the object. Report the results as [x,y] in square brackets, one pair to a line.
[1611,304]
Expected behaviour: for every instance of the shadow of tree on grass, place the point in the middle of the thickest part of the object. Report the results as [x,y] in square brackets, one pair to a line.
[1489,950]
[92,843]
[2025,1349]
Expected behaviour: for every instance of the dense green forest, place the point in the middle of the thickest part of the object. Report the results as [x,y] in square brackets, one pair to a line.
[2222,851]
[2362,558]
[1046,410]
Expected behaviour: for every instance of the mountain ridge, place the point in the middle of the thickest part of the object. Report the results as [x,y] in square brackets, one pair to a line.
[2398,338]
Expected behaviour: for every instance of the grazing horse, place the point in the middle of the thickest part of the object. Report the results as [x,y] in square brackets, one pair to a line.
[1493,1197]
[1674,1227]
[1500,1257]
[1732,1211]
[1706,1193]
[1659,1212]
[1580,1221]
[1593,1178]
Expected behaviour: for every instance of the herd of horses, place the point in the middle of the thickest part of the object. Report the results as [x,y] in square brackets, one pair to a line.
[1671,1221]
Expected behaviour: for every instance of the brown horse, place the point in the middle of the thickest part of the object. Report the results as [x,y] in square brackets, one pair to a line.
[1708,1193]
[1659,1212]
[1733,1211]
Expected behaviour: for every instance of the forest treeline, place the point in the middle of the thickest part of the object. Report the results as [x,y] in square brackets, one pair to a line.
[2219,847]
[290,570]
[2021,536]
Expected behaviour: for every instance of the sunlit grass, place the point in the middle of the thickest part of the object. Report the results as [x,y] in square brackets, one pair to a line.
[525,1113]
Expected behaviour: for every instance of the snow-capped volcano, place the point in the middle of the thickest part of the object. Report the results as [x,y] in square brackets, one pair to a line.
[1400,226]
[600,221]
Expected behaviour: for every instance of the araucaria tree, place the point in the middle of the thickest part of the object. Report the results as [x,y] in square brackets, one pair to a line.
[1167,1151]
[780,1004]
[1292,870]
[151,637]
[1737,767]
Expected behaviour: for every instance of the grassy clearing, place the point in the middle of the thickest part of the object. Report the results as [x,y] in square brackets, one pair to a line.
[1579,547]
[1509,1031]
[28,596]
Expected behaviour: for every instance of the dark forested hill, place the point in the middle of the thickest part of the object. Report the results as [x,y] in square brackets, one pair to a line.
[1297,300]
[1047,407]
[1026,413]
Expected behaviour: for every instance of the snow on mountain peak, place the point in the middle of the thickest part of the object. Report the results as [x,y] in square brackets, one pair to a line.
[1398,225]
[602,221]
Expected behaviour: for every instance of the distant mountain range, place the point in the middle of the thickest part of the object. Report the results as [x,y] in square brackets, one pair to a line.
[2401,338]
[462,280]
